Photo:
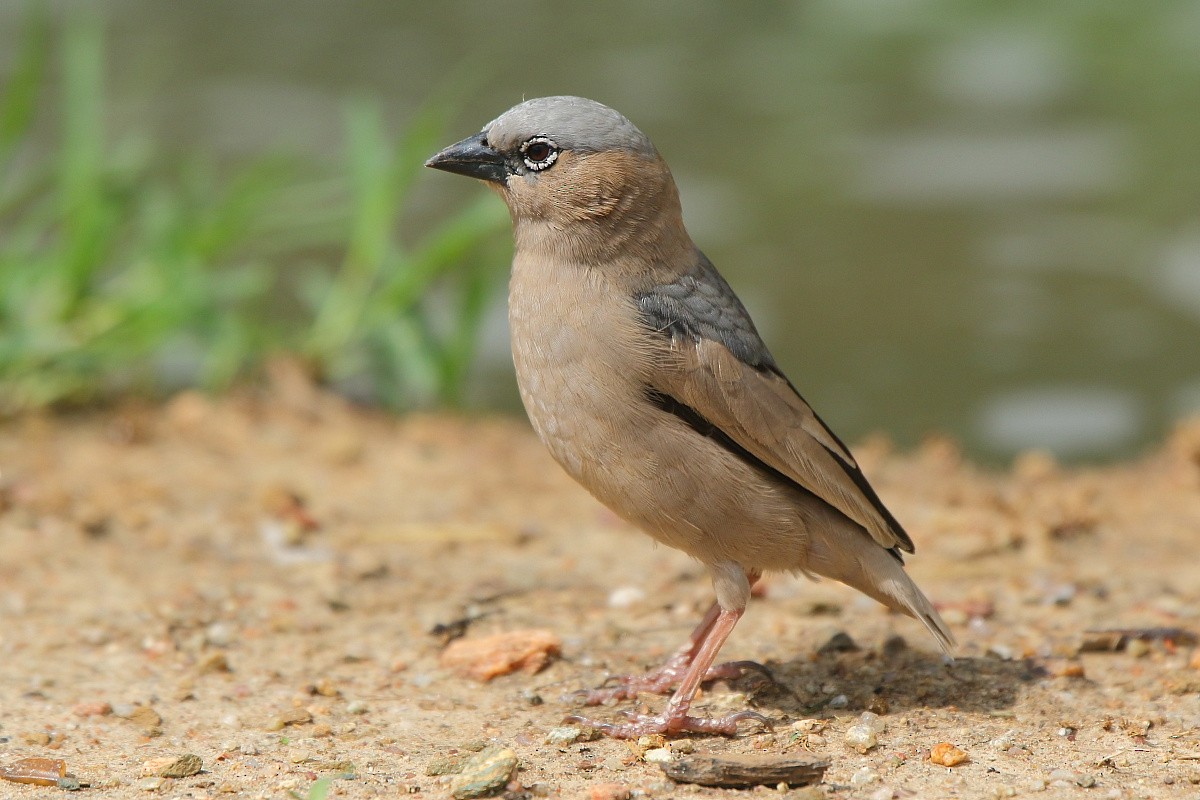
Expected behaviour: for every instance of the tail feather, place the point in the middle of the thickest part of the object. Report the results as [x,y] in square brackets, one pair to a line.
[853,558]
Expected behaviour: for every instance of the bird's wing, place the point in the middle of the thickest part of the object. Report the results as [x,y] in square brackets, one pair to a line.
[721,372]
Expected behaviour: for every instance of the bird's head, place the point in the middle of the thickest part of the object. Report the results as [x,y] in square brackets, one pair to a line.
[566,161]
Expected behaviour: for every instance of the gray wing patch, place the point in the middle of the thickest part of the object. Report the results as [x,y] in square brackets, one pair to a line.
[700,305]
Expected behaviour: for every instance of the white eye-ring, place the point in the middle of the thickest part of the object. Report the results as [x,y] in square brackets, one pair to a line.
[539,153]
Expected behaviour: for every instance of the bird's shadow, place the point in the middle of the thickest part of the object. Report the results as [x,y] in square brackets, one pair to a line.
[862,680]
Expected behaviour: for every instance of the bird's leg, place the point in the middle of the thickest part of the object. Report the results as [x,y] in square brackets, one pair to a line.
[675,718]
[733,592]
[661,679]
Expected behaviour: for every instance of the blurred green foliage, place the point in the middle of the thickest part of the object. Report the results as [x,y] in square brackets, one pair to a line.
[119,273]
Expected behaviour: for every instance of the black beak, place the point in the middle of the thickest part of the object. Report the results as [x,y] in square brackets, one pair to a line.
[472,157]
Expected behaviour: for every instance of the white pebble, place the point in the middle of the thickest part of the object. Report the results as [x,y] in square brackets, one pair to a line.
[626,596]
[864,776]
[861,738]
[872,721]
[659,755]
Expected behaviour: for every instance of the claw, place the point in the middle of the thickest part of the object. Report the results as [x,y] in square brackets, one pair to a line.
[668,724]
[615,688]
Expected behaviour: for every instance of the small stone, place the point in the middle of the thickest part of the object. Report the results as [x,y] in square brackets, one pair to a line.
[1062,775]
[864,777]
[946,755]
[564,735]
[1138,648]
[152,784]
[173,766]
[894,646]
[840,642]
[838,701]
[1004,741]
[490,656]
[69,783]
[215,661]
[294,716]
[35,771]
[872,721]
[861,738]
[446,765]
[883,793]
[144,717]
[484,773]
[658,755]
[651,741]
[609,791]
[220,634]
[626,596]
[356,707]
[1064,668]
[95,709]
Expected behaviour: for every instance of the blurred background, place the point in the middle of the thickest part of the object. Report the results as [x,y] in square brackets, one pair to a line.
[979,218]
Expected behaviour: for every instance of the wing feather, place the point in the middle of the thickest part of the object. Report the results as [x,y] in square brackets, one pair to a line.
[721,369]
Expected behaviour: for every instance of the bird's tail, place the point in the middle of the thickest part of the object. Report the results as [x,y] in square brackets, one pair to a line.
[856,560]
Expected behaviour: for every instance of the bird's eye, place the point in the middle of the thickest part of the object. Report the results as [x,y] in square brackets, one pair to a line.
[539,153]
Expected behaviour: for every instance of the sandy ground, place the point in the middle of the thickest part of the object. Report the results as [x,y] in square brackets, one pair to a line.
[255,581]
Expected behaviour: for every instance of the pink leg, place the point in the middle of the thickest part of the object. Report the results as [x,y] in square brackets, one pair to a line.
[660,680]
[675,718]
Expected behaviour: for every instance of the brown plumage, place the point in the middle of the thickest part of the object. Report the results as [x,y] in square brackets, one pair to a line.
[644,376]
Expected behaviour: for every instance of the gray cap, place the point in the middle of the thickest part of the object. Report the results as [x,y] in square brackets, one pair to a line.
[572,123]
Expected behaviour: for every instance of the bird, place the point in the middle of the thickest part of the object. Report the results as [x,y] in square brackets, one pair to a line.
[644,376]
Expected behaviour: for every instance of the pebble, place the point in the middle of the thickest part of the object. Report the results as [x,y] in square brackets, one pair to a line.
[658,755]
[567,734]
[487,657]
[294,716]
[215,661]
[152,784]
[864,776]
[861,738]
[608,791]
[143,716]
[840,642]
[626,596]
[173,766]
[652,741]
[946,755]
[484,773]
[838,701]
[220,634]
[1004,741]
[356,707]
[863,735]
[93,709]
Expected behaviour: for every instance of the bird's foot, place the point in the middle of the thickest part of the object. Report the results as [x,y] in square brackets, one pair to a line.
[669,723]
[660,680]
